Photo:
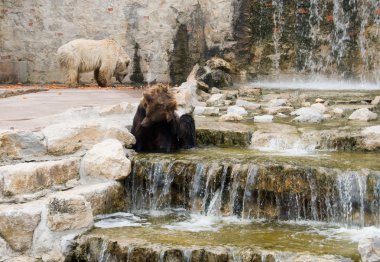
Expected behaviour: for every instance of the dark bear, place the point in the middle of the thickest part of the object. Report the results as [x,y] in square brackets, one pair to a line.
[157,127]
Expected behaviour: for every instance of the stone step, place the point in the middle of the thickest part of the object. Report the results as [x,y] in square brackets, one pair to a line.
[38,226]
[94,247]
[30,178]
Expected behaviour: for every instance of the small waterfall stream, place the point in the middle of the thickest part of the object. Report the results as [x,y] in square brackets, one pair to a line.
[255,191]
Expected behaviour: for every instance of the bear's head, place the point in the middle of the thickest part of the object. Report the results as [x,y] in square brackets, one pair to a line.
[159,104]
[121,70]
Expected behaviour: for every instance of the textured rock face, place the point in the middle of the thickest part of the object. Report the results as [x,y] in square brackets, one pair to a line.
[369,249]
[67,212]
[17,224]
[31,177]
[363,114]
[19,144]
[107,160]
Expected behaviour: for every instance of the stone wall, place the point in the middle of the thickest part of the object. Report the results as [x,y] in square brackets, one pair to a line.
[267,39]
[32,31]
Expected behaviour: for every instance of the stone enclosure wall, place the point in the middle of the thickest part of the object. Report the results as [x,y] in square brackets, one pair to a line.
[264,39]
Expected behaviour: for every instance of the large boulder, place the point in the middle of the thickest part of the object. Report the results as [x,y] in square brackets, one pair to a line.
[18,222]
[18,144]
[67,138]
[107,160]
[31,177]
[237,110]
[363,114]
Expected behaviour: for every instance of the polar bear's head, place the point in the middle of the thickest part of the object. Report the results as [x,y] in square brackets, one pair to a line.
[121,70]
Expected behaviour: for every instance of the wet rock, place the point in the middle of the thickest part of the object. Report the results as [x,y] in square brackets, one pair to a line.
[337,112]
[376,100]
[307,114]
[371,137]
[206,111]
[107,160]
[67,212]
[216,100]
[31,177]
[223,137]
[18,222]
[369,249]
[247,105]
[17,144]
[250,91]
[230,117]
[237,110]
[67,138]
[263,118]
[363,114]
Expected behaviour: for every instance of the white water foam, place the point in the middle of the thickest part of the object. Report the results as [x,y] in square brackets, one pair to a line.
[318,85]
[199,223]
[119,219]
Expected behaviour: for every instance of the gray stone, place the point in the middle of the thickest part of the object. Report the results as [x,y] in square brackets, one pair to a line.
[278,102]
[319,107]
[263,118]
[107,160]
[207,111]
[230,117]
[376,100]
[216,100]
[279,109]
[250,91]
[307,114]
[13,72]
[247,105]
[363,114]
[218,63]
[237,110]
[371,137]
[18,144]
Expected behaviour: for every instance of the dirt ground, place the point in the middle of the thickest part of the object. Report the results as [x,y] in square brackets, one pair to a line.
[24,107]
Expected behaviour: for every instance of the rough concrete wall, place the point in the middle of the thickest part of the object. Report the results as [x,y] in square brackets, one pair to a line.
[32,31]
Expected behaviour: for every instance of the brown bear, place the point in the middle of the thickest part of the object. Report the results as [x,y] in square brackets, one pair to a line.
[105,57]
[156,125]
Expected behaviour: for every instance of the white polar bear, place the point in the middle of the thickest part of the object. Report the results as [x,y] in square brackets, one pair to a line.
[105,57]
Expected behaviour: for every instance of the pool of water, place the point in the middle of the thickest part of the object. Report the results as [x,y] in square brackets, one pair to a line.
[180,228]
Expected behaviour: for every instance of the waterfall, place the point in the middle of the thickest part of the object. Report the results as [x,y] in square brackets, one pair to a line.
[277,33]
[248,190]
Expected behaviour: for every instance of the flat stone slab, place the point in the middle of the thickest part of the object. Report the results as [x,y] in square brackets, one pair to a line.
[31,111]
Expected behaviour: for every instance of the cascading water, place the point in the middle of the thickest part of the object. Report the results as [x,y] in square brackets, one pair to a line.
[257,191]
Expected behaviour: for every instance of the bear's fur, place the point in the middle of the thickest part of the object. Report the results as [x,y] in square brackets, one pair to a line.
[105,57]
[157,127]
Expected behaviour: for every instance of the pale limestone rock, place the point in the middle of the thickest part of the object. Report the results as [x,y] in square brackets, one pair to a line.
[215,90]
[67,138]
[216,100]
[371,137]
[23,259]
[249,91]
[17,224]
[278,102]
[106,197]
[306,104]
[319,107]
[376,101]
[207,111]
[31,177]
[107,160]
[5,250]
[230,117]
[279,109]
[186,97]
[338,112]
[363,114]
[68,212]
[18,144]
[319,100]
[247,105]
[237,110]
[307,114]
[369,249]
[263,118]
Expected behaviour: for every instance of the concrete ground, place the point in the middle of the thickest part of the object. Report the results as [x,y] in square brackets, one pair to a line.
[30,111]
